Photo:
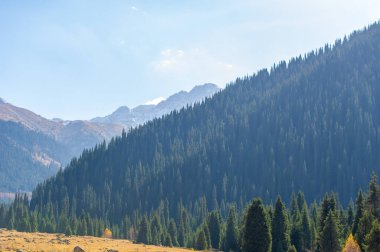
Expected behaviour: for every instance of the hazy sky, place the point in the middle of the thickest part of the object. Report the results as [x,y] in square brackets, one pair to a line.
[78,59]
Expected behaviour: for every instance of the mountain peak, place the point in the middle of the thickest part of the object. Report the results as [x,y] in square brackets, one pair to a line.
[155,101]
[205,86]
[1,100]
[122,110]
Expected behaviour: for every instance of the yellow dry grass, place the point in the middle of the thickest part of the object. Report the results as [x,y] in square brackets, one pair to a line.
[11,240]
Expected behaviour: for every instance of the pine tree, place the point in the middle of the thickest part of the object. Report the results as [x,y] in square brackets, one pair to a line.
[359,212]
[280,228]
[305,229]
[68,230]
[156,230]
[350,217]
[231,240]
[329,241]
[294,211]
[168,241]
[373,197]
[364,227]
[144,235]
[257,236]
[215,229]
[201,241]
[372,240]
[300,200]
[172,230]
[207,235]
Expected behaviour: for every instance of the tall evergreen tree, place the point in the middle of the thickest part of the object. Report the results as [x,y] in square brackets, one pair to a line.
[172,230]
[257,236]
[201,241]
[372,240]
[373,197]
[156,230]
[280,228]
[231,240]
[144,234]
[359,212]
[214,227]
[364,227]
[305,229]
[329,241]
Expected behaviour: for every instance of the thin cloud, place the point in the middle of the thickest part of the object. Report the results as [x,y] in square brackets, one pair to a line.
[134,8]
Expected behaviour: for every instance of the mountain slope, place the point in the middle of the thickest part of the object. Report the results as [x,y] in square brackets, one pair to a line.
[311,125]
[27,157]
[143,113]
[45,145]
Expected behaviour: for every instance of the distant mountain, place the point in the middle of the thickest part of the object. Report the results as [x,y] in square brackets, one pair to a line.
[27,157]
[143,113]
[33,148]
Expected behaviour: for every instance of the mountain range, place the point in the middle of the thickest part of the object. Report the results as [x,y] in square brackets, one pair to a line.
[34,148]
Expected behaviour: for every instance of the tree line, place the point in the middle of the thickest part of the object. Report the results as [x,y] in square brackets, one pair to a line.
[323,227]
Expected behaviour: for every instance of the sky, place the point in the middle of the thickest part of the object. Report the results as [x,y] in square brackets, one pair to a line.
[78,59]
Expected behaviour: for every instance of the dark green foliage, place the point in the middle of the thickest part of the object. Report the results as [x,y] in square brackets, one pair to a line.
[168,241]
[156,230]
[68,231]
[231,240]
[359,211]
[215,229]
[372,240]
[207,235]
[172,231]
[280,228]
[305,230]
[364,227]
[257,236]
[350,217]
[329,241]
[201,241]
[144,234]
[373,197]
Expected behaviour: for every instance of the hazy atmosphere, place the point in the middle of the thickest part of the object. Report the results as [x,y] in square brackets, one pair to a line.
[81,59]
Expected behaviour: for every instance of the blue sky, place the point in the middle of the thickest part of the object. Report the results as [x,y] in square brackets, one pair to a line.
[77,59]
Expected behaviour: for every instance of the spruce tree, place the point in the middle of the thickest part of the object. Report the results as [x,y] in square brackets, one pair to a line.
[364,227]
[156,230]
[144,234]
[280,228]
[201,241]
[257,236]
[372,240]
[172,230]
[329,240]
[215,229]
[231,240]
[168,240]
[305,229]
[373,197]
[359,212]
[350,216]
[207,234]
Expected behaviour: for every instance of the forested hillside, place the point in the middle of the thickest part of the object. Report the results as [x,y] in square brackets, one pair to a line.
[311,124]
